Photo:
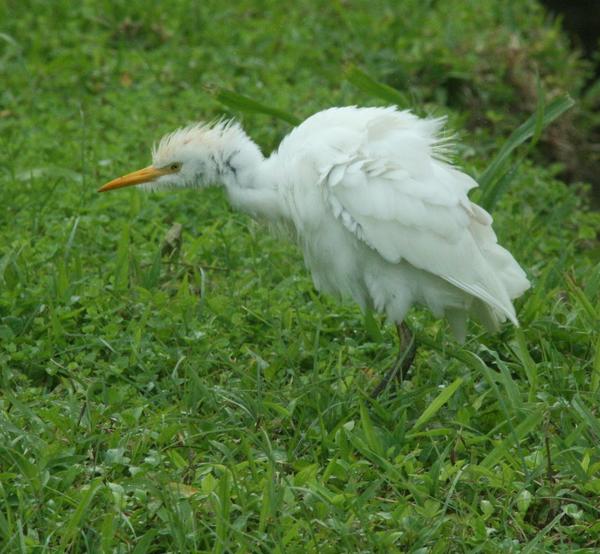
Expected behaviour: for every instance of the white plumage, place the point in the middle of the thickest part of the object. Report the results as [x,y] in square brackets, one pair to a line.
[378,212]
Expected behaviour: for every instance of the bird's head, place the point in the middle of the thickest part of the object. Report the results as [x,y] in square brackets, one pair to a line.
[191,156]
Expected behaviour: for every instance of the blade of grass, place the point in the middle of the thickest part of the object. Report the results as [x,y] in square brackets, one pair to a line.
[224,508]
[366,83]
[583,301]
[73,525]
[371,436]
[512,393]
[530,367]
[476,363]
[540,109]
[520,432]
[526,130]
[122,262]
[144,543]
[493,193]
[586,416]
[71,239]
[4,261]
[491,180]
[437,403]
[267,499]
[244,104]
[532,546]
[596,369]
[372,327]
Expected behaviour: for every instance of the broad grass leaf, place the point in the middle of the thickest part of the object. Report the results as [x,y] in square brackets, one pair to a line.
[437,403]
[244,104]
[364,82]
[369,430]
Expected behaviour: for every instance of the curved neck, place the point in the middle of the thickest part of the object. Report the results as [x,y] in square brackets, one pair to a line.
[240,167]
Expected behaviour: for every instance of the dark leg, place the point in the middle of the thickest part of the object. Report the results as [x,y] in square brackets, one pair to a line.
[406,356]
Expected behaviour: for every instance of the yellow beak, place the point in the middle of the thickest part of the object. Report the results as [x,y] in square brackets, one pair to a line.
[136,178]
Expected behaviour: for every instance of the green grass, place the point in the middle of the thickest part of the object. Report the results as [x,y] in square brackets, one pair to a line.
[208,400]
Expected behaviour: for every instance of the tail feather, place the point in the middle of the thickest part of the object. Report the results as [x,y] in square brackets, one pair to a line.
[505,268]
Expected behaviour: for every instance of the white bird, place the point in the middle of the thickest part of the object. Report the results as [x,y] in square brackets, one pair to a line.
[379,212]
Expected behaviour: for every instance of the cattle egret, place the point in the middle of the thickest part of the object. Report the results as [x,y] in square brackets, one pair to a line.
[379,212]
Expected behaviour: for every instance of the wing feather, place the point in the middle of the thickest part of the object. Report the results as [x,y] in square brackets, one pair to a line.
[394,194]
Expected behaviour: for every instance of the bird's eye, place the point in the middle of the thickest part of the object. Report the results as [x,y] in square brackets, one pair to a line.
[175,166]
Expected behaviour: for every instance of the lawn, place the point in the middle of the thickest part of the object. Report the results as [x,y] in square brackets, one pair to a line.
[201,396]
